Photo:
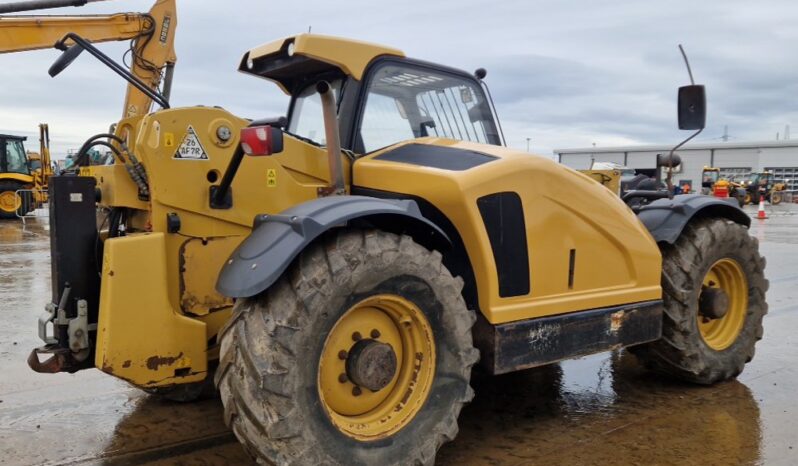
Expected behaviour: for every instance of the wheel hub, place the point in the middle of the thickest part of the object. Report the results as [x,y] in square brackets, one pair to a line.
[9,201]
[371,364]
[376,367]
[722,304]
[713,303]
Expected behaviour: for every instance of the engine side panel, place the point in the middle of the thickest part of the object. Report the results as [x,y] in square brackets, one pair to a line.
[586,248]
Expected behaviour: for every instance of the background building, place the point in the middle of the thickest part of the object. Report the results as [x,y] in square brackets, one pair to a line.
[781,157]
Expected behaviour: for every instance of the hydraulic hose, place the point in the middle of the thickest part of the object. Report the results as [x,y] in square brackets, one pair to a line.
[134,168]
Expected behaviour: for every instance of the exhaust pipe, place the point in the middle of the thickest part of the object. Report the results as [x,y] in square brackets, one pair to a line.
[30,5]
[333,139]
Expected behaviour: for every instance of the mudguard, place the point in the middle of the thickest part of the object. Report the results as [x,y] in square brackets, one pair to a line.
[277,239]
[666,218]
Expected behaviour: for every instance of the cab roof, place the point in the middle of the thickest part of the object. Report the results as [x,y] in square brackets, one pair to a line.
[289,60]
[11,136]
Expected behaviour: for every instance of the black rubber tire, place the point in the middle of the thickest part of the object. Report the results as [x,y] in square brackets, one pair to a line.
[28,203]
[13,186]
[270,351]
[682,352]
[739,194]
[775,198]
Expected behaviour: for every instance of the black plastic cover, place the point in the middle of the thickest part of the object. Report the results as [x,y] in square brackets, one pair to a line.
[666,218]
[446,158]
[503,215]
[74,252]
[277,239]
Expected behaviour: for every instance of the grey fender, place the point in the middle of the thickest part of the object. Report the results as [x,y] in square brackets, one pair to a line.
[276,240]
[666,218]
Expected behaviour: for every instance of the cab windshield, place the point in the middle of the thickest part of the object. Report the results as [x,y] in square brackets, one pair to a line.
[711,176]
[14,159]
[404,102]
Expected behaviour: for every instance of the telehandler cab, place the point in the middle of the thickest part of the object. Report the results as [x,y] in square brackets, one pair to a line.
[339,271]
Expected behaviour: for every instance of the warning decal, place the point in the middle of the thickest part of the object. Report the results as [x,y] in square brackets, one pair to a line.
[190,148]
[271,178]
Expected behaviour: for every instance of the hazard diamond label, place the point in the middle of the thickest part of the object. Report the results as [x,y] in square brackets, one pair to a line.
[191,148]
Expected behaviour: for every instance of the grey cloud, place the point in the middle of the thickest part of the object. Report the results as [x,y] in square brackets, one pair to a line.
[563,73]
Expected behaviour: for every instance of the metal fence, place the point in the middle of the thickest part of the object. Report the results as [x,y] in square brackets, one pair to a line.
[36,200]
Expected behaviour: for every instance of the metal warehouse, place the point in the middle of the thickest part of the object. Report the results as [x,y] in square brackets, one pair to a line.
[780,157]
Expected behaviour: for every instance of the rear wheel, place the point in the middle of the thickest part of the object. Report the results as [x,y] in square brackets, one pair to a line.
[12,203]
[360,354]
[713,289]
[775,198]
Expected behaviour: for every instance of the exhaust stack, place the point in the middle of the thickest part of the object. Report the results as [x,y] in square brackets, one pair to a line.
[333,139]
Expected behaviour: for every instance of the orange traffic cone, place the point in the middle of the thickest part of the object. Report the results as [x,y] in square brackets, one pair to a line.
[761,215]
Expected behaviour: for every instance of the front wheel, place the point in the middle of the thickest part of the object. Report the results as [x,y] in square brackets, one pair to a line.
[713,288]
[12,203]
[360,354]
[775,198]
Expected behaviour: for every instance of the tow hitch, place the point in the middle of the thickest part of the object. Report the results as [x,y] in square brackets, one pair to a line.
[62,358]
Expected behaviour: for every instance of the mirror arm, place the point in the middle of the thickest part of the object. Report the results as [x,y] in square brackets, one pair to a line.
[115,67]
[219,194]
[669,180]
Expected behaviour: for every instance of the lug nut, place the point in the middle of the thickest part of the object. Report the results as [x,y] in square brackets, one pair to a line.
[375,333]
[356,391]
[343,378]
[357,336]
[342,354]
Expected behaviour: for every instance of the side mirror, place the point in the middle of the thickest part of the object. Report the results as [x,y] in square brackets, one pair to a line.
[66,58]
[692,107]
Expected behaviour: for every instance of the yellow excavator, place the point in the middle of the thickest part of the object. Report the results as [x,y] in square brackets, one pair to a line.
[337,272]
[41,163]
[151,36]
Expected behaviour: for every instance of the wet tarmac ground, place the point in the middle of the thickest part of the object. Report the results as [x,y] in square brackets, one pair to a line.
[599,410]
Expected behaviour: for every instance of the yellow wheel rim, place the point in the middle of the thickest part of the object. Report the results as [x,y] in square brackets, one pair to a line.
[371,415]
[728,275]
[9,201]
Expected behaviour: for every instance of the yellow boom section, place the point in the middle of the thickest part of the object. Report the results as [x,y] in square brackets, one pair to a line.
[153,35]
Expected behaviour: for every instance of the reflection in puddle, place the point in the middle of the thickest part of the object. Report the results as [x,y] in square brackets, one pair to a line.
[604,409]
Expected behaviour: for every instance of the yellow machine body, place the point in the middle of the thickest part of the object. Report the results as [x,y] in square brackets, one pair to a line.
[159,312]
[180,270]
[617,261]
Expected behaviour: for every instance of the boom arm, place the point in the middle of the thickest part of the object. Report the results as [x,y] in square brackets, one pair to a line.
[152,49]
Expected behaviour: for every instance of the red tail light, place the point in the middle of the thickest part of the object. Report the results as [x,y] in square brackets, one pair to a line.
[261,140]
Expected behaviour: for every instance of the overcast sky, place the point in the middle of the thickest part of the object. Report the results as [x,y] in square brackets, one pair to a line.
[563,73]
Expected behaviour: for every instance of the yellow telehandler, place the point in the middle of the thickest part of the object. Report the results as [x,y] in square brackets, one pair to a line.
[338,271]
